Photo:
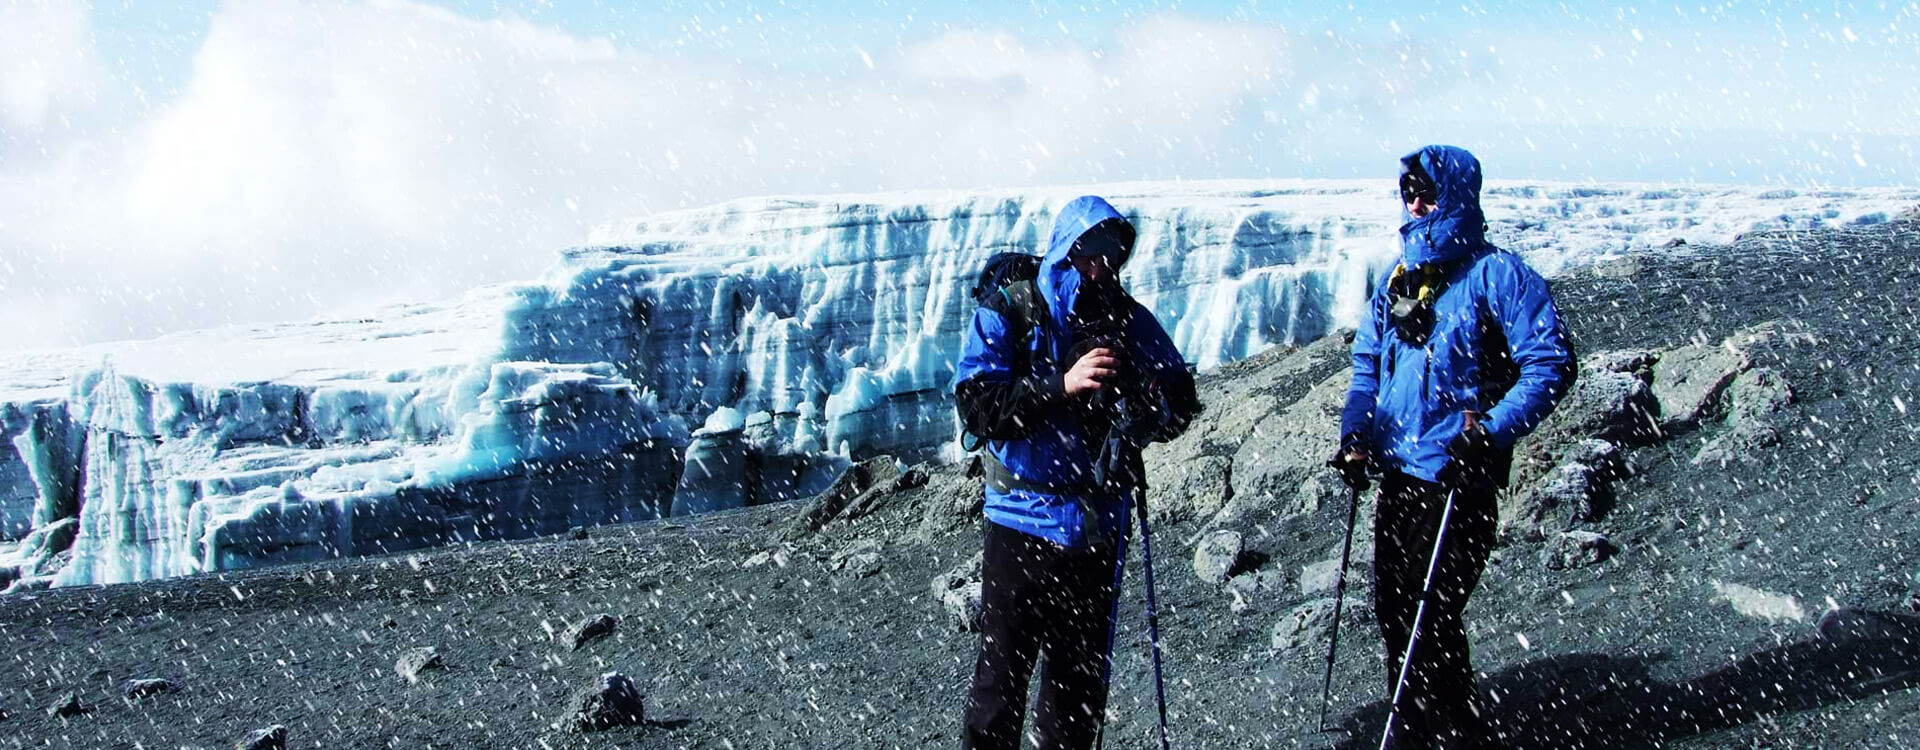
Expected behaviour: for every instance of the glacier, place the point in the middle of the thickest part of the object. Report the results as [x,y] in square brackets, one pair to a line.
[691,362]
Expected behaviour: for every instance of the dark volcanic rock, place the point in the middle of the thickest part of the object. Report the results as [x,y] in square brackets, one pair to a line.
[1248,590]
[586,629]
[613,702]
[856,482]
[911,479]
[68,706]
[1260,447]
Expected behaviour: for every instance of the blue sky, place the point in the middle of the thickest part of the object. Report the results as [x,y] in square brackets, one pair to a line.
[239,161]
[1652,91]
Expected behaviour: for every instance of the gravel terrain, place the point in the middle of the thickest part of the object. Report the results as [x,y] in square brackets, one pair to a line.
[825,624]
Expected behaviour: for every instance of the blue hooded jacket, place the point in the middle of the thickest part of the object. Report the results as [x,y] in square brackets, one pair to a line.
[1056,452]
[1497,346]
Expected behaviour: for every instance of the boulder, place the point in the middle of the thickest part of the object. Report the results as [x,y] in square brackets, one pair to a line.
[778,556]
[1575,549]
[1757,395]
[1305,626]
[613,701]
[1851,625]
[958,592]
[1617,407]
[860,559]
[270,738]
[1217,555]
[587,629]
[1599,454]
[1579,489]
[68,706]
[1635,362]
[1246,589]
[1687,382]
[1288,451]
[1201,474]
[1195,488]
[1754,402]
[1323,578]
[416,660]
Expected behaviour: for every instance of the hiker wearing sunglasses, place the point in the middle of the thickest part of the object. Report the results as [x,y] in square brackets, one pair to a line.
[1460,353]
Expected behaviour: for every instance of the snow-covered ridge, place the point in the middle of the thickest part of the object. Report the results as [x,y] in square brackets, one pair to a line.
[797,333]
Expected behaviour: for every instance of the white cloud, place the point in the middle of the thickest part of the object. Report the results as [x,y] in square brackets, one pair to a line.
[48,66]
[345,154]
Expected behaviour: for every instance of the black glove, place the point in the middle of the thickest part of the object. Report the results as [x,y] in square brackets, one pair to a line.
[1353,470]
[1470,456]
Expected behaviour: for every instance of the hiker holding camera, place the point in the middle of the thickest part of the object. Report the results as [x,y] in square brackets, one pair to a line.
[1063,378]
[1460,353]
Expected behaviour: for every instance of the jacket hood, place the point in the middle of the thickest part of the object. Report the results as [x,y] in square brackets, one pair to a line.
[1083,216]
[1455,228]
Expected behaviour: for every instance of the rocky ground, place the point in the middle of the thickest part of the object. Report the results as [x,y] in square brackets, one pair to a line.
[1740,459]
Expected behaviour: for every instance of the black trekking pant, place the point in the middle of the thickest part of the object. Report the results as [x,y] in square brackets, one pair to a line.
[1439,707]
[1043,603]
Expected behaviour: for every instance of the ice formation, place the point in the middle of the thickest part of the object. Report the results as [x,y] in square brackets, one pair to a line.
[688,362]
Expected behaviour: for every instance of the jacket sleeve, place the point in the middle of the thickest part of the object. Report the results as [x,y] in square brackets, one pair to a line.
[1521,303]
[993,402]
[1356,418]
[1175,401]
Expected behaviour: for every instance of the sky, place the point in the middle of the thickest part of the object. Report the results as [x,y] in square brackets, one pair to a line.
[166,166]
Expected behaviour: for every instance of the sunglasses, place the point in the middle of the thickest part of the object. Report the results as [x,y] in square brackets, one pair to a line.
[1416,184]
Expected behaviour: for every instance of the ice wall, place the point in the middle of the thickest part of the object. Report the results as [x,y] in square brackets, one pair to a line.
[840,318]
[797,334]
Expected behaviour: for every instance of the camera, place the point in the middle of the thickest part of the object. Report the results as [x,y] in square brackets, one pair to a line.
[1127,405]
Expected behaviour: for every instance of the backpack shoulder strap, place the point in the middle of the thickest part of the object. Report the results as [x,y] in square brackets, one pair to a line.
[1020,301]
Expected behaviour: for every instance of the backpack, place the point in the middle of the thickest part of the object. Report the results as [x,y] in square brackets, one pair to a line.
[1006,286]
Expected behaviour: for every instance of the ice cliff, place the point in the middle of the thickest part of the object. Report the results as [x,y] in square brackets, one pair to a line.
[687,362]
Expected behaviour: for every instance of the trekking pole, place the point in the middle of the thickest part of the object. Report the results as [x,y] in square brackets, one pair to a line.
[1106,664]
[1339,599]
[1153,617]
[1413,637]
